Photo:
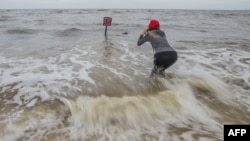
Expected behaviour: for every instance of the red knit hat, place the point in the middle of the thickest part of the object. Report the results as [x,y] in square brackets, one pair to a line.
[154,24]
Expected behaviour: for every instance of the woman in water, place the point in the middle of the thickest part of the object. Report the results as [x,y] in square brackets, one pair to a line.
[164,54]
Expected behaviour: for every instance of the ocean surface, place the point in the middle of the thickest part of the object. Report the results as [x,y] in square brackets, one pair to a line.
[61,79]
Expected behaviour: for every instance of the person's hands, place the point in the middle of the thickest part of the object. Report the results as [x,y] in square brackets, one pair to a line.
[144,31]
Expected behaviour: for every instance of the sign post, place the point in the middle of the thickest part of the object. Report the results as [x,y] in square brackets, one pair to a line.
[106,22]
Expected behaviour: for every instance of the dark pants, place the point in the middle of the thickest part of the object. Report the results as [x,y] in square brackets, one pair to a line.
[162,61]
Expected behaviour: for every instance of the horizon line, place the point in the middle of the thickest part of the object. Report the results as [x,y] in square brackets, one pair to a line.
[124,9]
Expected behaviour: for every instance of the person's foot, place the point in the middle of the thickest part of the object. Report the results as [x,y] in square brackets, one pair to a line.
[153,73]
[161,74]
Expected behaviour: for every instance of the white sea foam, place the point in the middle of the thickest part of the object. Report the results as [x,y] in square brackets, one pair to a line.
[60,79]
[134,114]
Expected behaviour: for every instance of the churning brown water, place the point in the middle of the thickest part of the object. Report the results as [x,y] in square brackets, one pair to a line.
[61,80]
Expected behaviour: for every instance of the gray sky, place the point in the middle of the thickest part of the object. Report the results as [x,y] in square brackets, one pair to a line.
[131,4]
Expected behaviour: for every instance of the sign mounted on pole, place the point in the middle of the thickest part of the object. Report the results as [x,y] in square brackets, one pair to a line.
[107,22]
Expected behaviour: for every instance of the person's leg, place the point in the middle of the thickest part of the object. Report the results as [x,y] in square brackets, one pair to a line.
[154,71]
[160,71]
[170,59]
[158,68]
[163,61]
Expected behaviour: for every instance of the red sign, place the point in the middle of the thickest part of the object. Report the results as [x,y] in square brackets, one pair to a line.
[107,21]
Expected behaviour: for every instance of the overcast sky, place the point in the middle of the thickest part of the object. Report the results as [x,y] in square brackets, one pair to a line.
[125,4]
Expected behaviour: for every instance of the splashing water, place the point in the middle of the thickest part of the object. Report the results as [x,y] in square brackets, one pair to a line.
[66,82]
